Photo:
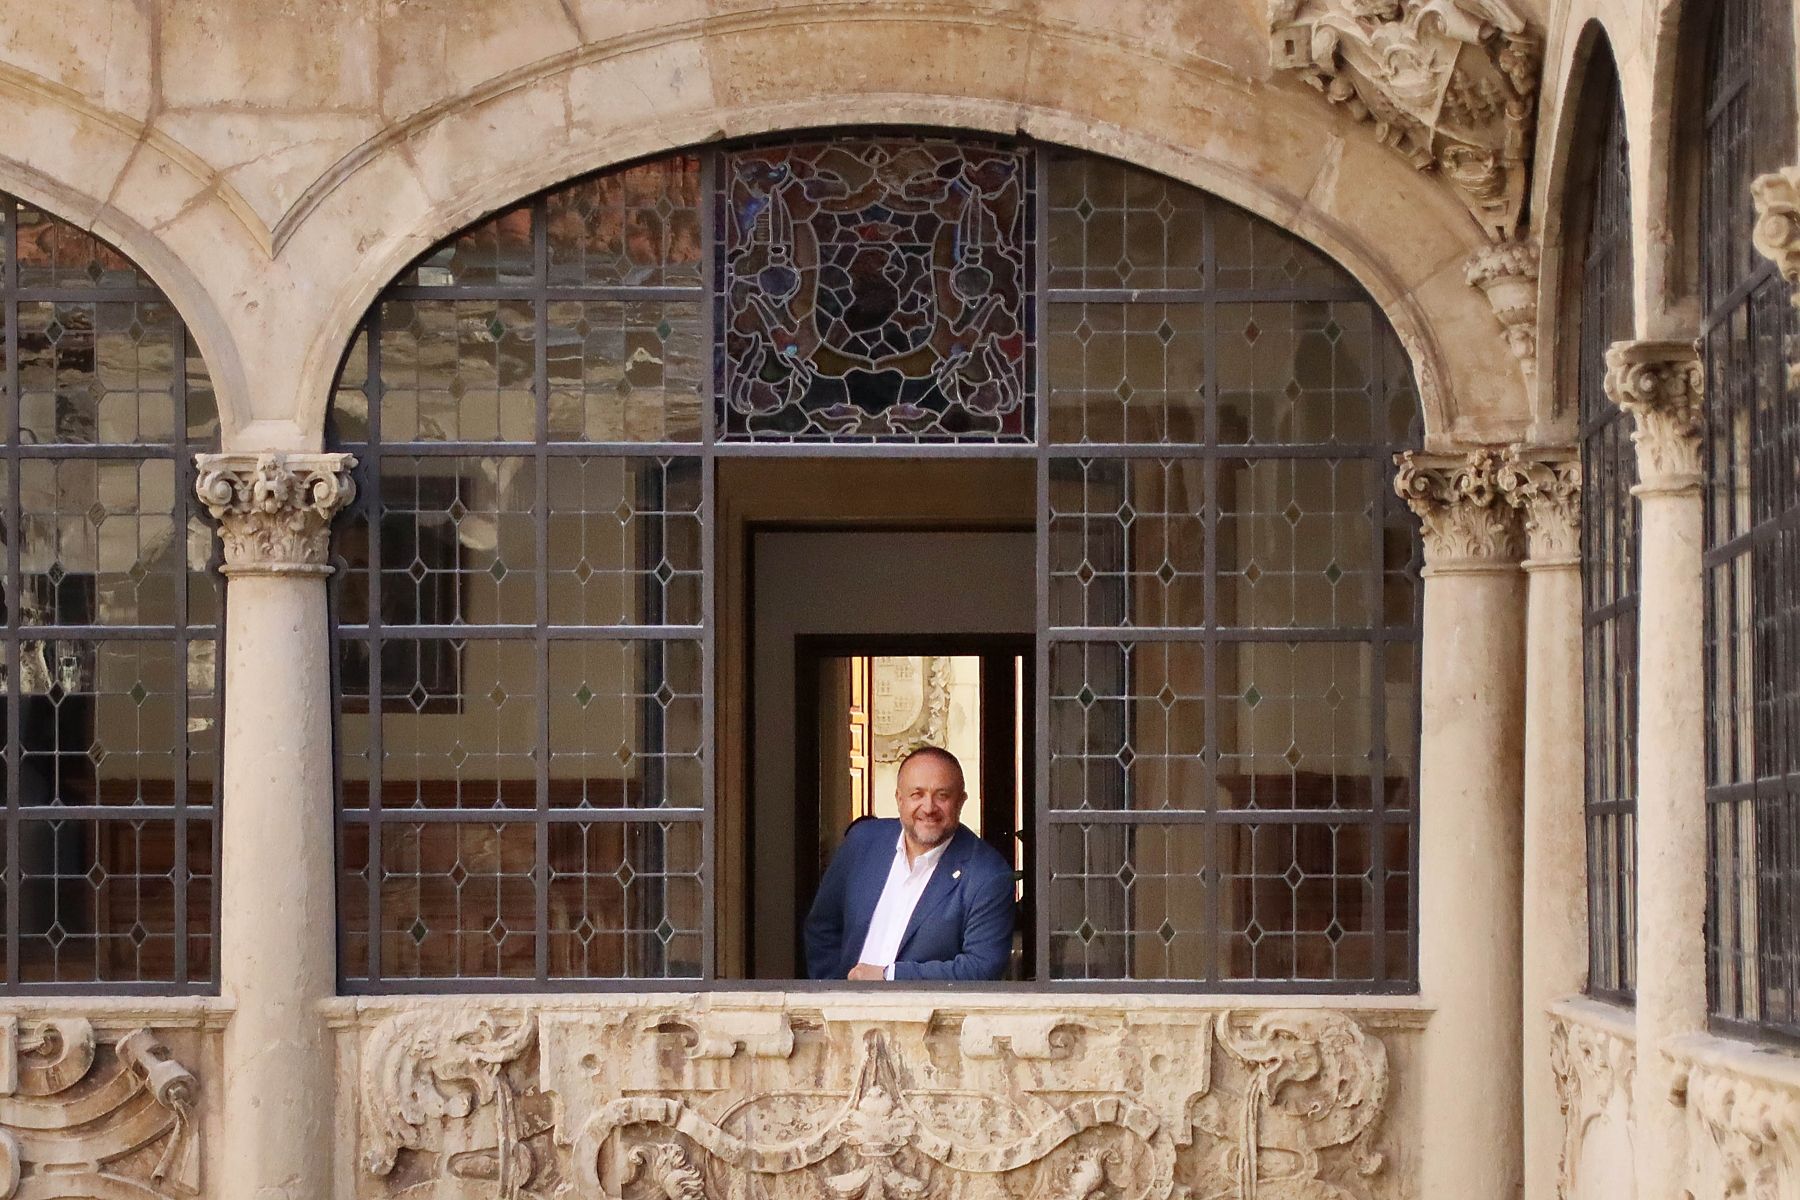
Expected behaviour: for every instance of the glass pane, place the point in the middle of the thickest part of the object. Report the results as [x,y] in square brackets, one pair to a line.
[875,290]
[1255,255]
[458,370]
[1118,226]
[1129,902]
[1294,724]
[461,729]
[1297,373]
[625,371]
[1298,901]
[100,722]
[625,724]
[1128,542]
[458,541]
[626,900]
[1128,726]
[498,251]
[56,254]
[101,542]
[1128,372]
[624,541]
[1295,543]
[457,899]
[98,373]
[638,226]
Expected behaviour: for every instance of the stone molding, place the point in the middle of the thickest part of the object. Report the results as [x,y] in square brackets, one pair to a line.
[1460,499]
[274,510]
[1507,274]
[468,1098]
[1777,236]
[1544,484]
[1743,1119]
[99,1115]
[1450,84]
[1593,1063]
[1662,385]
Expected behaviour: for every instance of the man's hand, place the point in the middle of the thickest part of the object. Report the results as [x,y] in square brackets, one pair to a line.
[868,971]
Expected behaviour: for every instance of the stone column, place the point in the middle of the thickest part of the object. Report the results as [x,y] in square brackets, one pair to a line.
[276,887]
[1470,755]
[1545,486]
[1659,384]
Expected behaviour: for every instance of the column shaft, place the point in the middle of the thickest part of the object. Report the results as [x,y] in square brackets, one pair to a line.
[1546,488]
[278,911]
[1469,835]
[1659,383]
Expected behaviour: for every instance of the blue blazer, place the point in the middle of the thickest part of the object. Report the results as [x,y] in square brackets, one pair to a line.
[961,928]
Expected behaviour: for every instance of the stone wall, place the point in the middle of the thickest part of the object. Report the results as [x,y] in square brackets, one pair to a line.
[858,1098]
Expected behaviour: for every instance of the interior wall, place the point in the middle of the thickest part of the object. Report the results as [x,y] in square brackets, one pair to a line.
[849,582]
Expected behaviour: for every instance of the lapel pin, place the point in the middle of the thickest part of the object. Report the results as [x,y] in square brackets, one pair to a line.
[956,874]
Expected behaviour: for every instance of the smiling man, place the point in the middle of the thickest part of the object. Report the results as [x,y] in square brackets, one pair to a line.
[917,898]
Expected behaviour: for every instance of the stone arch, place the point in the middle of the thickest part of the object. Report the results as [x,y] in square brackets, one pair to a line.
[1271,147]
[1561,157]
[147,196]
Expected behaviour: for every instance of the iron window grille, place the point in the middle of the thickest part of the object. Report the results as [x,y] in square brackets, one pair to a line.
[1752,536]
[112,629]
[1609,554]
[1228,606]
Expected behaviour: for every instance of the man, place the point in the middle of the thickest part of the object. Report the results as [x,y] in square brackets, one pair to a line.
[917,898]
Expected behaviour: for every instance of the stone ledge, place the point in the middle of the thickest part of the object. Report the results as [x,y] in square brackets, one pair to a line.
[117,1013]
[1731,1056]
[1614,1020]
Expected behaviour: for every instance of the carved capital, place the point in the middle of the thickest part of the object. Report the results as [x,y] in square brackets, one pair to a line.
[1507,274]
[274,510]
[1545,486]
[1468,523]
[1662,385]
[1449,84]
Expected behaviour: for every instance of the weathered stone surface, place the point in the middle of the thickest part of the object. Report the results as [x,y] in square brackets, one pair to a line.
[649,1096]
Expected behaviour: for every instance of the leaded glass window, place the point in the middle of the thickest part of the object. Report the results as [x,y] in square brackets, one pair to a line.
[1609,574]
[112,630]
[1752,555]
[1226,728]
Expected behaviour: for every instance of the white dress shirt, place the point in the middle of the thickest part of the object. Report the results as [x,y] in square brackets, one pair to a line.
[899,896]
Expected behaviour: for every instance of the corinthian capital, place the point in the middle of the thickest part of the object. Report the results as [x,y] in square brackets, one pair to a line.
[1662,386]
[1469,526]
[274,510]
[1544,484]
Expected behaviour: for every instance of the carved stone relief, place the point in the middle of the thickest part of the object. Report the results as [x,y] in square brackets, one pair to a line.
[1545,486]
[274,510]
[1460,500]
[84,1115]
[1777,236]
[1595,1071]
[1450,84]
[1661,384]
[1507,274]
[1743,1134]
[649,1103]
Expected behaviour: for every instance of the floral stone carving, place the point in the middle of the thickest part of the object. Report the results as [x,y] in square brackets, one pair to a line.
[1743,1134]
[1662,385]
[274,510]
[1461,502]
[94,1116]
[867,1103]
[1545,486]
[1594,1068]
[1450,84]
[1777,235]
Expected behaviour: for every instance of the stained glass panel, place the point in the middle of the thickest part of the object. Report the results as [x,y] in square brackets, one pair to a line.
[875,290]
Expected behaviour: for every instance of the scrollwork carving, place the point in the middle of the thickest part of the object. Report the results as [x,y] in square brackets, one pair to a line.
[1777,236]
[1744,1135]
[1459,499]
[1662,385]
[101,1116]
[1449,84]
[274,510]
[1545,486]
[1507,274]
[429,1074]
[1591,1067]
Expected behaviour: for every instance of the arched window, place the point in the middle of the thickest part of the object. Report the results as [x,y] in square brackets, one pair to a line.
[111,636]
[1220,712]
[1608,541]
[1752,442]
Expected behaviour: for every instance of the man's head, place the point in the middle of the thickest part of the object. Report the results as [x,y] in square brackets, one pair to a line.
[930,795]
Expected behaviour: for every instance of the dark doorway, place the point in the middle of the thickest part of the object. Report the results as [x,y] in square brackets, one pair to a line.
[863,701]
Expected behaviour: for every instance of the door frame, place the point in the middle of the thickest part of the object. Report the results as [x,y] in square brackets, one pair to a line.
[998,778]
